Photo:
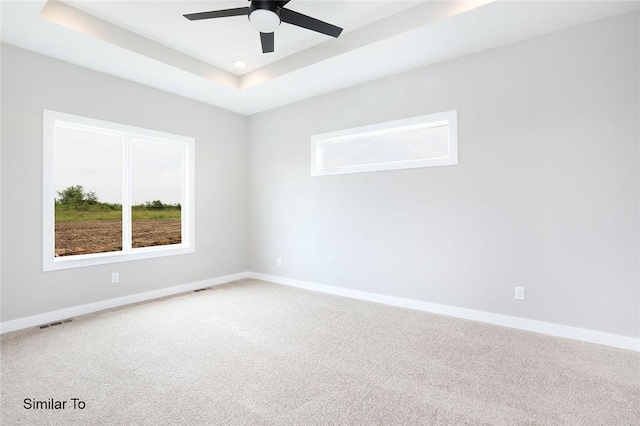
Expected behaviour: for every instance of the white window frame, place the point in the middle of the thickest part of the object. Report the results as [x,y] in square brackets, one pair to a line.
[50,262]
[448,118]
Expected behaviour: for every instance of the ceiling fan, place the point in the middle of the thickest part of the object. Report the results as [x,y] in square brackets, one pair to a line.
[266,16]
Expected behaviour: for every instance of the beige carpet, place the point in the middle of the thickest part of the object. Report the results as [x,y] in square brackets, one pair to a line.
[259,354]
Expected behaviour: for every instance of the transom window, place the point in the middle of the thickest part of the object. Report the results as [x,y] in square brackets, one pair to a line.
[425,141]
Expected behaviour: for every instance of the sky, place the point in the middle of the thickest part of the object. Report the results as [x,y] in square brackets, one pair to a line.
[94,160]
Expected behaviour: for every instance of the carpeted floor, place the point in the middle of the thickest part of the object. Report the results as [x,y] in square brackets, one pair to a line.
[260,354]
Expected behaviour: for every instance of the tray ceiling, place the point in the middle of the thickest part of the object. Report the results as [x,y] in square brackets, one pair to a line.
[149,42]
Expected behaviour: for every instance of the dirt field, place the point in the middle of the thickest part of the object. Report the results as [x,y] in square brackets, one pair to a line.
[99,236]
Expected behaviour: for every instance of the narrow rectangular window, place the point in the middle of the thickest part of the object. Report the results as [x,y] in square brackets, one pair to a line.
[425,141]
[114,193]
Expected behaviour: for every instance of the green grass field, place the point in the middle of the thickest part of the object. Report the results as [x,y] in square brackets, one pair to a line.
[71,214]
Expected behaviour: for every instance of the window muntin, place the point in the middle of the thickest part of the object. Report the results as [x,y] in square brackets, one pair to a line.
[424,141]
[119,165]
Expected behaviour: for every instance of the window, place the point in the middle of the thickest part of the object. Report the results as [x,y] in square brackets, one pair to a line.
[425,141]
[113,193]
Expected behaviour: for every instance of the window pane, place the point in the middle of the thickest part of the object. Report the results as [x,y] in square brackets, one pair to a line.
[424,141]
[156,194]
[400,145]
[88,185]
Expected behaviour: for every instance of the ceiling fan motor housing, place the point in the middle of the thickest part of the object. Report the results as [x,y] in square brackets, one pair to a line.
[264,15]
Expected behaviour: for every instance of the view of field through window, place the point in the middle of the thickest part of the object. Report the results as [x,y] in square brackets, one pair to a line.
[156,192]
[89,192]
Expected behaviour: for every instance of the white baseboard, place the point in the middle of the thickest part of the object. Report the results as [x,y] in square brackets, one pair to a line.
[48,317]
[557,330]
[574,333]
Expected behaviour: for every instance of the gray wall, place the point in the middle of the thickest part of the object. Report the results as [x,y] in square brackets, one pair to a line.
[31,83]
[638,122]
[546,194]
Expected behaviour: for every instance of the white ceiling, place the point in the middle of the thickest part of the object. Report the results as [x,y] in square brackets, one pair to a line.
[151,43]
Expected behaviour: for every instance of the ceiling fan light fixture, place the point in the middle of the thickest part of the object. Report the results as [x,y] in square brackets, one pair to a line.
[264,20]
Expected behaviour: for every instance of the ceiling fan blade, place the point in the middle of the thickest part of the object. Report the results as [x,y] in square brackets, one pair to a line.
[313,24]
[282,3]
[217,13]
[267,41]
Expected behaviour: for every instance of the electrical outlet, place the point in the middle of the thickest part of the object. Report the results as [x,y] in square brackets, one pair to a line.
[115,277]
[279,261]
[519,293]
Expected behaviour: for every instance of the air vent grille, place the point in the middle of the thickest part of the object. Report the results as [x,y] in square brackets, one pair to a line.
[51,324]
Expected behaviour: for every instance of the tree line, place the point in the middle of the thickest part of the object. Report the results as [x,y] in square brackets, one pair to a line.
[76,197]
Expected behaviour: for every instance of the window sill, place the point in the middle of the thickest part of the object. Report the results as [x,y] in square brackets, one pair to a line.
[79,261]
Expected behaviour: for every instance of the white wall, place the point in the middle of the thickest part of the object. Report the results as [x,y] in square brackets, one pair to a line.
[546,195]
[31,83]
